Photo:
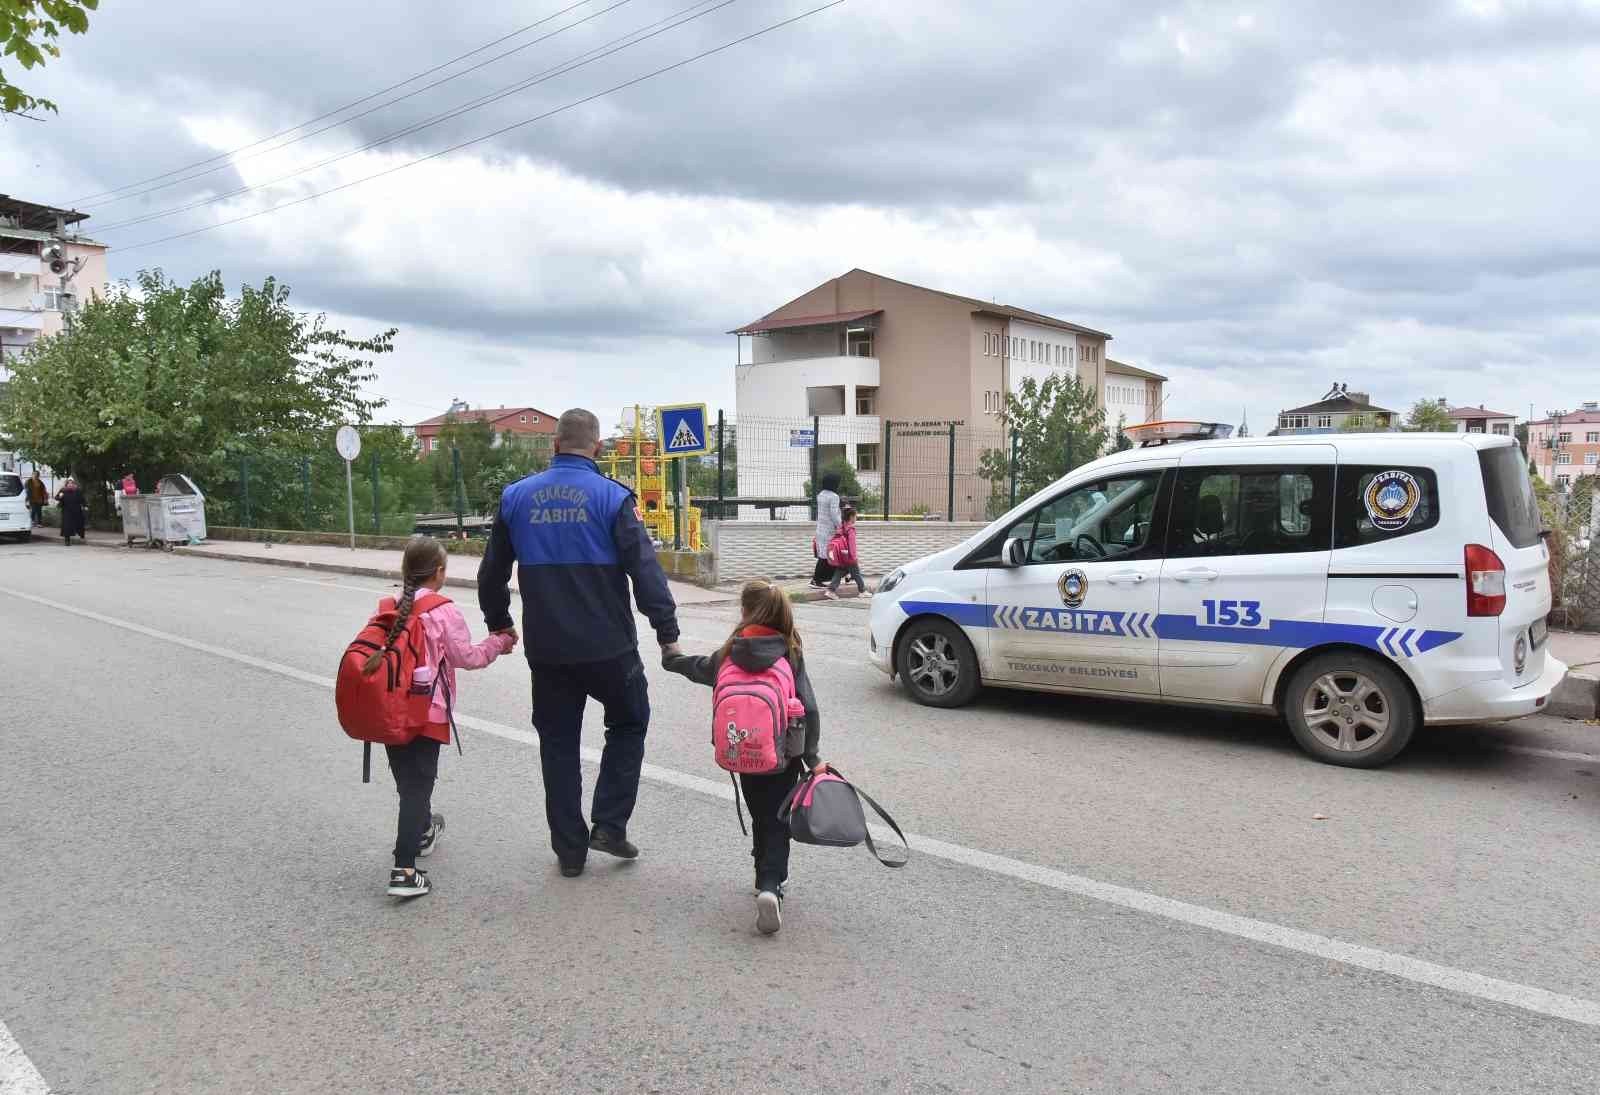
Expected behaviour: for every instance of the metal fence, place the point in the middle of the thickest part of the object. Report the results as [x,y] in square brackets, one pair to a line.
[770,468]
[1573,520]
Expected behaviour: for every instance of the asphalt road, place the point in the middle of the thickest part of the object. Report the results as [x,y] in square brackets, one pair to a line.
[1106,897]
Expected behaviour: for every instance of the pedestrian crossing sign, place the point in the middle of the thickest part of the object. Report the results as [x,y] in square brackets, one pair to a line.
[682,430]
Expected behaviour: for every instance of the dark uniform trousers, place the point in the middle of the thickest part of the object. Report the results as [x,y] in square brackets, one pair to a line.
[560,693]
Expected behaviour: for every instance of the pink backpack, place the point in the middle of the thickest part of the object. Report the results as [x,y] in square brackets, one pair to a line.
[750,716]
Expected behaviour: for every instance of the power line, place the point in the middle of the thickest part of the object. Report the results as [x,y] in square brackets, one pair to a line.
[339,109]
[498,132]
[641,34]
[231,161]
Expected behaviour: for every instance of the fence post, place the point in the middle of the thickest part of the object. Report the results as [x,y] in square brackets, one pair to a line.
[244,486]
[377,527]
[816,484]
[888,435]
[460,491]
[721,515]
[677,504]
[305,487]
[950,492]
[1016,449]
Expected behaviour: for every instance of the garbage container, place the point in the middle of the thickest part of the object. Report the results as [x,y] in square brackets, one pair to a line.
[177,511]
[135,517]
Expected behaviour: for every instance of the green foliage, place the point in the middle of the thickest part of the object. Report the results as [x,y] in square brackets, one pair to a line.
[1429,416]
[29,29]
[170,378]
[1123,442]
[864,499]
[1057,426]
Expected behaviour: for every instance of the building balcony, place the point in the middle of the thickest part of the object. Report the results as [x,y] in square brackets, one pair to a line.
[20,266]
[22,319]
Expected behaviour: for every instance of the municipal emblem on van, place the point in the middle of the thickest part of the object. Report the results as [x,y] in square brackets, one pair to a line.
[1391,499]
[1073,584]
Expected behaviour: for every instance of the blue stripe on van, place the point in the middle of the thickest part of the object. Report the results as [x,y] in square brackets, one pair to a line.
[1396,642]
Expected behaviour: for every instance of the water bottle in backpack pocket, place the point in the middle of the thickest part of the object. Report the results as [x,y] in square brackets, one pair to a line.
[751,718]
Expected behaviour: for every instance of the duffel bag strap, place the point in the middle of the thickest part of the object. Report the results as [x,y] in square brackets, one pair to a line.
[873,848]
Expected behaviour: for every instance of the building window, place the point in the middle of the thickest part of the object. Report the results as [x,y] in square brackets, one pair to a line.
[523,419]
[867,457]
[1502,429]
[1474,429]
[867,401]
[1325,421]
[1591,458]
[1592,436]
[858,343]
[1563,481]
[1563,437]
[1563,458]
[986,344]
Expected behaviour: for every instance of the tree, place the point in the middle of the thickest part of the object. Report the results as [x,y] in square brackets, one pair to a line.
[172,378]
[487,466]
[1123,442]
[1429,416]
[1056,426]
[29,29]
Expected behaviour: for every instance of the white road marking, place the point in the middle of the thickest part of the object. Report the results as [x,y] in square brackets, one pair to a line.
[17,1074]
[1553,754]
[1526,997]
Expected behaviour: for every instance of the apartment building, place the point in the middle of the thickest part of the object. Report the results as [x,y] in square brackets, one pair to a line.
[1340,409]
[862,348]
[1564,447]
[33,304]
[1132,395]
[1481,420]
[528,422]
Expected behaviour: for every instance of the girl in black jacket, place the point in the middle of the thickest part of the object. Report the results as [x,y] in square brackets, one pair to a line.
[766,633]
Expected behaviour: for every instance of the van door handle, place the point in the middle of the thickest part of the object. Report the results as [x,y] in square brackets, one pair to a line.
[1198,574]
[1125,578]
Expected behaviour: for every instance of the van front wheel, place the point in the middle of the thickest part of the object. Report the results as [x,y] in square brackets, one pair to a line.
[937,664]
[1350,709]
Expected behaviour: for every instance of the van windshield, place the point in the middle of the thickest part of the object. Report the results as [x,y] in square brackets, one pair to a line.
[10,486]
[1509,492]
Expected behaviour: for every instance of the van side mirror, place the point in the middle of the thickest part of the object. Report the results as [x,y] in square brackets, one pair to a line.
[1014,553]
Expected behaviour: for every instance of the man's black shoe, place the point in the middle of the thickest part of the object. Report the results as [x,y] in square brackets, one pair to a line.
[602,840]
[571,870]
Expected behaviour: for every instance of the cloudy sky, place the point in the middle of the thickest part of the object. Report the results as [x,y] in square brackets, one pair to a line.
[1254,198]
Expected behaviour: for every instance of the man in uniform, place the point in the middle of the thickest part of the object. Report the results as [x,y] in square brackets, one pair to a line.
[576,539]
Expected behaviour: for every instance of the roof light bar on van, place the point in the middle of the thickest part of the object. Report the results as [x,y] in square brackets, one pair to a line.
[1160,433]
[1486,582]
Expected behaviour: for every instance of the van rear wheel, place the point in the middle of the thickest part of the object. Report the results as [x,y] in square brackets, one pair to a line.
[1350,709]
[937,664]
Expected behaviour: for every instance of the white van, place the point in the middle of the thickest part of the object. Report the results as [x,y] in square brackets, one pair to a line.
[15,519]
[1357,584]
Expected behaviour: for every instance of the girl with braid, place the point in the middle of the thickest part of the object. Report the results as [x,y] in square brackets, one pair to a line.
[416,764]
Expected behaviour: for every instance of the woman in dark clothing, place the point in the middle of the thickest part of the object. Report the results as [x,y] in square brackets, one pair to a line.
[74,511]
[828,521]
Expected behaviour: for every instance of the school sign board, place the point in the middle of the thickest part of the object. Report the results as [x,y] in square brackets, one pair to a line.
[682,430]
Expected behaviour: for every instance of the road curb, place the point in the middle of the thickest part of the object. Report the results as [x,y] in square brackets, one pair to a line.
[297,564]
[1576,697]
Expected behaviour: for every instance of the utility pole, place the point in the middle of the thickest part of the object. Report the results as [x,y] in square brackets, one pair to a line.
[62,266]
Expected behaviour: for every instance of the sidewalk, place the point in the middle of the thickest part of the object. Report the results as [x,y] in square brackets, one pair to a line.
[361,562]
[1579,649]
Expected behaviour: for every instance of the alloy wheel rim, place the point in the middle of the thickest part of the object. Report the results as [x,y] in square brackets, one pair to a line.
[932,665]
[1347,711]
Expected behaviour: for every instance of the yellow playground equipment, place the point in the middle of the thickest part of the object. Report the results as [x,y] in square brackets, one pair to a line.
[633,458]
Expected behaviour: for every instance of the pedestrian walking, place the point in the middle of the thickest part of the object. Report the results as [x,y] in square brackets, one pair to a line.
[448,646]
[38,495]
[828,519]
[842,554]
[576,539]
[74,511]
[765,636]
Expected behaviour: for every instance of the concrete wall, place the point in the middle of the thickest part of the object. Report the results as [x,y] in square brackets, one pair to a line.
[782,549]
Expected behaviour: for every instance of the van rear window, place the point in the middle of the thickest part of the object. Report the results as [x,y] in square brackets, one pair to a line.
[10,486]
[1509,493]
[1376,502]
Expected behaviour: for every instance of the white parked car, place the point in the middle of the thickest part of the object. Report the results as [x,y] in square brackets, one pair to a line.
[1359,585]
[15,520]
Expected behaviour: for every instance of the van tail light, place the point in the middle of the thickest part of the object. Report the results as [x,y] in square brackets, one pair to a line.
[1486,582]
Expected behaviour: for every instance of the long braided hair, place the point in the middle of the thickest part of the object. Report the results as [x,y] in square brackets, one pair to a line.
[422,559]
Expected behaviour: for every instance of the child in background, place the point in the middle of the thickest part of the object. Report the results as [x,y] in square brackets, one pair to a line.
[416,764]
[849,563]
[765,634]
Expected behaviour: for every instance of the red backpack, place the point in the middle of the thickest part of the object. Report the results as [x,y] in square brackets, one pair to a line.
[383,707]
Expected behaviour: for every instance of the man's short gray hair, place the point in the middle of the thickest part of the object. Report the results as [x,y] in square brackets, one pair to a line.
[578,430]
